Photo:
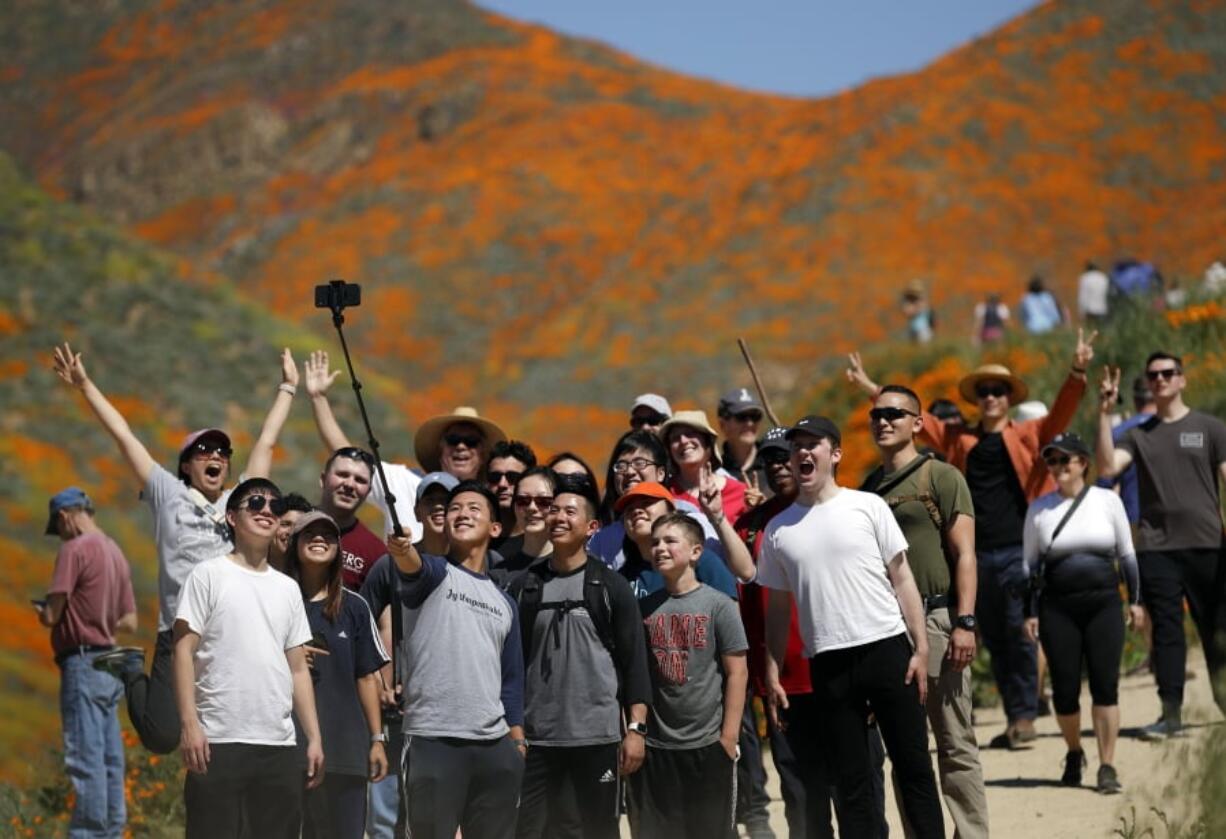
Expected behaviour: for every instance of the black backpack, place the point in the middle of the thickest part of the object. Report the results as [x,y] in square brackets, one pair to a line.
[528,590]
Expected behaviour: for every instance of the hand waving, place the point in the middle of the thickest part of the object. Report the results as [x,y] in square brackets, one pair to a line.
[318,378]
[1109,389]
[289,370]
[68,366]
[1084,353]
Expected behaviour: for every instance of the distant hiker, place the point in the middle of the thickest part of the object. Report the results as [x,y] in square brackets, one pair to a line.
[1135,281]
[1093,290]
[649,412]
[585,670]
[1181,458]
[932,504]
[1001,462]
[346,678]
[841,555]
[240,665]
[458,443]
[918,311]
[1074,540]
[189,526]
[1214,281]
[463,680]
[991,320]
[89,599]
[1040,311]
[509,460]
[345,484]
[696,644]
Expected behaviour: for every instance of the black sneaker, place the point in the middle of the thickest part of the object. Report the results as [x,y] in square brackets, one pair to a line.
[1108,781]
[121,662]
[1073,763]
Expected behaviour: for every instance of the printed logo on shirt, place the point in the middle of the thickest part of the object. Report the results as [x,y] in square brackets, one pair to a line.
[476,604]
[341,634]
[671,637]
[353,563]
[1192,440]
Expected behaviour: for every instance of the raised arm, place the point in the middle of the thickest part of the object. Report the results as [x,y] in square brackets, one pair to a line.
[318,380]
[1064,408]
[736,554]
[68,366]
[913,614]
[259,463]
[858,377]
[406,557]
[1111,461]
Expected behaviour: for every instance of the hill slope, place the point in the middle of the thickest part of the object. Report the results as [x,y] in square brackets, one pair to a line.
[548,226]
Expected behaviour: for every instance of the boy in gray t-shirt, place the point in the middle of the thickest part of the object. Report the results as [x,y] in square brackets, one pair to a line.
[696,651]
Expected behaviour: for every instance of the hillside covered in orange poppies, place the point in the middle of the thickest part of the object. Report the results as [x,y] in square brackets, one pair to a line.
[543,226]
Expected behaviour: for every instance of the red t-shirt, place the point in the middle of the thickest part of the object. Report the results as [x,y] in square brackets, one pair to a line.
[92,572]
[733,495]
[794,676]
[360,549]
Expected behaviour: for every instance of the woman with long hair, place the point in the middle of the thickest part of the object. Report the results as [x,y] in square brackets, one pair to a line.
[345,654]
[533,494]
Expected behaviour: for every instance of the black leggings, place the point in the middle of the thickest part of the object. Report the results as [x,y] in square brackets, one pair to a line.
[1077,626]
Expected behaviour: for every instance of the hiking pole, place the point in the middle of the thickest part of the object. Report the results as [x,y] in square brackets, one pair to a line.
[757,383]
[336,295]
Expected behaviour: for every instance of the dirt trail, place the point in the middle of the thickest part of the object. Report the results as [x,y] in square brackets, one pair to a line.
[1025,798]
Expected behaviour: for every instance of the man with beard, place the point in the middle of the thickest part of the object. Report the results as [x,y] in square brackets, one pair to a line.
[189,526]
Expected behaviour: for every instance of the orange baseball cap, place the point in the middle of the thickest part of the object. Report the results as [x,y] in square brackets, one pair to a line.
[647,489]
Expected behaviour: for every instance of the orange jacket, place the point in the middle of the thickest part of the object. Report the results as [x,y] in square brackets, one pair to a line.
[1023,440]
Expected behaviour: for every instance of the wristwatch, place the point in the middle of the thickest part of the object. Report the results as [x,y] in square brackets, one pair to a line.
[381,737]
[966,622]
[637,728]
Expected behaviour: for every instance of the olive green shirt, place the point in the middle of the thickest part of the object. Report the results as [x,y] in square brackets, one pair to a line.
[902,490]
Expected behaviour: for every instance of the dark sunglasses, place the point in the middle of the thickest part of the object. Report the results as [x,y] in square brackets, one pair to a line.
[890,415]
[1167,373]
[985,390]
[354,453]
[638,464]
[748,416]
[541,502]
[640,420]
[454,438]
[1057,460]
[206,449]
[496,477]
[256,503]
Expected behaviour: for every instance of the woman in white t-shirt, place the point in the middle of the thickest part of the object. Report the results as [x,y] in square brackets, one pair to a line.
[1072,541]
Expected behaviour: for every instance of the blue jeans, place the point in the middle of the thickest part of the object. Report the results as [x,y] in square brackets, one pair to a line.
[998,608]
[93,749]
[383,798]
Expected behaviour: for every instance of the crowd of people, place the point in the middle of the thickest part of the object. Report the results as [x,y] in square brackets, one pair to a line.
[529,651]
[1039,311]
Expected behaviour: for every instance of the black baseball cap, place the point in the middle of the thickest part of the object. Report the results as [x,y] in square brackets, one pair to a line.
[1069,443]
[776,438]
[817,426]
[736,401]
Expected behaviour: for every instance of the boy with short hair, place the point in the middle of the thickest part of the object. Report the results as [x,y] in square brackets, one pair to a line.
[697,648]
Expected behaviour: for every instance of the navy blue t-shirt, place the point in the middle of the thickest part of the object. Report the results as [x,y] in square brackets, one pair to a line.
[354,651]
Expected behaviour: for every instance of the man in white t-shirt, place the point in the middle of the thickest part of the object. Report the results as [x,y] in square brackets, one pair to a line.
[239,670]
[841,555]
[458,443]
[1093,290]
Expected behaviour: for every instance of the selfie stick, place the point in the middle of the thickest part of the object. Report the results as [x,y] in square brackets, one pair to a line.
[336,304]
[757,383]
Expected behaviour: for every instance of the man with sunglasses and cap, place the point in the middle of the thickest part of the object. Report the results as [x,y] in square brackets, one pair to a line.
[932,504]
[344,486]
[189,526]
[739,415]
[458,443]
[240,667]
[1000,459]
[89,599]
[1180,455]
[649,412]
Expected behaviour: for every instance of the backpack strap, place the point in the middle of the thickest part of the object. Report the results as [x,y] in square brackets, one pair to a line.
[599,603]
[927,496]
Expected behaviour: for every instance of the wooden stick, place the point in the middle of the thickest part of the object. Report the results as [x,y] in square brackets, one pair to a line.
[757,383]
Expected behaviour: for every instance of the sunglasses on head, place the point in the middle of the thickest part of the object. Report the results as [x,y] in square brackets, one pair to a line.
[1167,373]
[639,420]
[205,449]
[256,503]
[890,414]
[987,389]
[496,477]
[541,502]
[354,453]
[455,438]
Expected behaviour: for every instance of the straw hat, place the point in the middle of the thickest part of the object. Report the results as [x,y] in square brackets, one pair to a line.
[995,373]
[427,443]
[699,421]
